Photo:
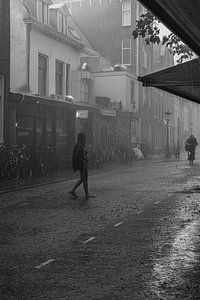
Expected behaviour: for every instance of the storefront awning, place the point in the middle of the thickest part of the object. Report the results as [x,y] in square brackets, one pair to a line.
[182,80]
[181,17]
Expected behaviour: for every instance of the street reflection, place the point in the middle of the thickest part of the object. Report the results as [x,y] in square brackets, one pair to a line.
[177,259]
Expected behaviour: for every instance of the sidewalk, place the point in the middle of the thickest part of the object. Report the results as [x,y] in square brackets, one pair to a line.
[57,176]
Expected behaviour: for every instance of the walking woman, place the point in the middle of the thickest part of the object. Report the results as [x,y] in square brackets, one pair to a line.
[80,163]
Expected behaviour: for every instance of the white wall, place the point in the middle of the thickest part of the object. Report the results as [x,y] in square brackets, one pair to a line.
[54,50]
[115,85]
[18,68]
[39,43]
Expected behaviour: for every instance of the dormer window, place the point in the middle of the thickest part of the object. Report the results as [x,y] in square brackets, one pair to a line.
[62,23]
[43,12]
[58,17]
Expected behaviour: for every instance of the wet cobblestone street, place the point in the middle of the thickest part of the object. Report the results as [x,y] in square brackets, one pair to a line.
[138,239]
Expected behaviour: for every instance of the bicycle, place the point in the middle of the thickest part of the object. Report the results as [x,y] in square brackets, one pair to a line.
[41,165]
[12,164]
[45,159]
[113,155]
[191,155]
[25,162]
[165,152]
[4,157]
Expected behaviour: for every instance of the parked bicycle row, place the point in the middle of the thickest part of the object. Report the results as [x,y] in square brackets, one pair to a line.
[21,161]
[170,151]
[116,154]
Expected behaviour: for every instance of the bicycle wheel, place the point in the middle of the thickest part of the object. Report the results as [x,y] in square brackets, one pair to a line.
[42,168]
[12,170]
[162,153]
[113,158]
[27,171]
[190,158]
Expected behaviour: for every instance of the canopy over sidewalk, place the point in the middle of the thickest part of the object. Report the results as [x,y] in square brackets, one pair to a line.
[182,80]
[182,18]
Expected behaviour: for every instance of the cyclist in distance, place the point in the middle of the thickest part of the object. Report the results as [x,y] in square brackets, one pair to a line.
[190,146]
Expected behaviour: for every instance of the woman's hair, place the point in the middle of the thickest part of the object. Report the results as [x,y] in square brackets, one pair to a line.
[81,138]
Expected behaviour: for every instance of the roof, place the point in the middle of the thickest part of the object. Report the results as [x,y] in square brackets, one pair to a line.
[181,17]
[182,80]
[60,6]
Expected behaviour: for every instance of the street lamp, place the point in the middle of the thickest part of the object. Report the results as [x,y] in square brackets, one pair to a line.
[167,118]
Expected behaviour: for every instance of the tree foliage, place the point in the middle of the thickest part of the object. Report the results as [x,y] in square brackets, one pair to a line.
[148,28]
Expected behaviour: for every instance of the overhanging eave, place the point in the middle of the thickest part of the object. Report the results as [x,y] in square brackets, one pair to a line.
[182,80]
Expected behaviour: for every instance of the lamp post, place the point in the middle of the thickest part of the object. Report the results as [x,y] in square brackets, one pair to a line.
[167,118]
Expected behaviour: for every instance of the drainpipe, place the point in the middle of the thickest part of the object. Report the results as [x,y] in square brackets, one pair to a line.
[137,42]
[28,56]
[137,106]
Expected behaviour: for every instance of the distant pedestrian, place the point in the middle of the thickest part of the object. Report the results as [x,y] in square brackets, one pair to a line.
[80,163]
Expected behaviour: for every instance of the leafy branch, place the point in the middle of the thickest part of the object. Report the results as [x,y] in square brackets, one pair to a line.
[147,27]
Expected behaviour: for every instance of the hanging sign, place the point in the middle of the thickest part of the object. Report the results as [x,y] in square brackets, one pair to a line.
[108,113]
[82,114]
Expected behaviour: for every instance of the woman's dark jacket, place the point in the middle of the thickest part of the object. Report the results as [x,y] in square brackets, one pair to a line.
[78,157]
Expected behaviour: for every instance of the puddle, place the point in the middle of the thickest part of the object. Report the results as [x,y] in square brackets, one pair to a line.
[176,261]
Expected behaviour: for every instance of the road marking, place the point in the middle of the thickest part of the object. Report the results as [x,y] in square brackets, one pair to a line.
[157,202]
[89,240]
[139,212]
[23,204]
[44,263]
[116,225]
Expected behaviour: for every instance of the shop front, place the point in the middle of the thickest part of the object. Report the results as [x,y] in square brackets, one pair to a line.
[42,122]
[37,121]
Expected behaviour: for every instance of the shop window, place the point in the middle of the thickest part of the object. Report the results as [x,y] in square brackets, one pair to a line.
[43,12]
[39,132]
[49,132]
[103,137]
[59,77]
[126,52]
[61,132]
[126,12]
[42,74]
[1,108]
[24,130]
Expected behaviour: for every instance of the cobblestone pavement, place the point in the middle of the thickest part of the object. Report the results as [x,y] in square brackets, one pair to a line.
[138,239]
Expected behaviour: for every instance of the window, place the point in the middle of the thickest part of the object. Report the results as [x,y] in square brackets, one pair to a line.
[144,95]
[24,130]
[43,12]
[1,107]
[145,65]
[42,74]
[126,52]
[67,78]
[49,132]
[85,90]
[61,132]
[39,131]
[62,23]
[132,92]
[126,13]
[59,77]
